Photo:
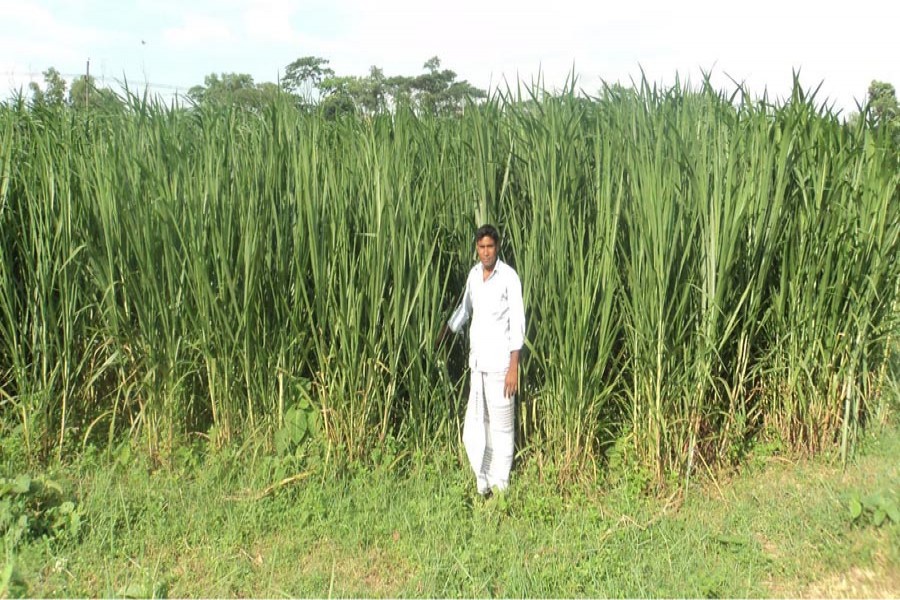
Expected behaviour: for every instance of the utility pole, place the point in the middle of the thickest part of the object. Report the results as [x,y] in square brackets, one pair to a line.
[87,84]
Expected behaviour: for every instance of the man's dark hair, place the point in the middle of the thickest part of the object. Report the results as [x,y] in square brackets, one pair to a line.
[487,231]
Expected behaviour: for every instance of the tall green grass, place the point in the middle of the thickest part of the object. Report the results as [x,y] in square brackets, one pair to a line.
[700,271]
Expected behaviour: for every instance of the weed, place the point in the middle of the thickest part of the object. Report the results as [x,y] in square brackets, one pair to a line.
[37,507]
[12,584]
[874,509]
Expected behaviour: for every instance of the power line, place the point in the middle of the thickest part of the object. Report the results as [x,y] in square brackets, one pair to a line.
[38,77]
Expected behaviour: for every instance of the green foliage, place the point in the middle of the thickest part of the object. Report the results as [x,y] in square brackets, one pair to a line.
[435,92]
[233,90]
[37,508]
[12,584]
[883,112]
[301,422]
[54,93]
[883,103]
[874,509]
[697,273]
[624,472]
[304,77]
[84,95]
[346,95]
[13,450]
[148,588]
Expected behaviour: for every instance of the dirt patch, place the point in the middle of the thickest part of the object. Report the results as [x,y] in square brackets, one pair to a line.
[879,578]
[877,582]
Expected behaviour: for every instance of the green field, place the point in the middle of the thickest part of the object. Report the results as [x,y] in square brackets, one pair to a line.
[220,525]
[218,373]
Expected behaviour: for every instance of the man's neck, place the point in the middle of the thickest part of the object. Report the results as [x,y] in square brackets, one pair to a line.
[487,272]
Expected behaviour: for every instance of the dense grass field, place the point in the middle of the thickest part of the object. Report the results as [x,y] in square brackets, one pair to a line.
[700,272]
[218,374]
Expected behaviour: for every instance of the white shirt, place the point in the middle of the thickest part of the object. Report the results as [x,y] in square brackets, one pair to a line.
[498,317]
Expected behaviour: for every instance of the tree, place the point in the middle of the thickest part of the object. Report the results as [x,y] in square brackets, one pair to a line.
[399,89]
[54,92]
[366,94]
[85,95]
[435,92]
[336,105]
[374,91]
[883,103]
[303,77]
[884,112]
[233,89]
[438,91]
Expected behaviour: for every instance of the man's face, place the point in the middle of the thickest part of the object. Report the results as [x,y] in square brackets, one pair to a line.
[487,252]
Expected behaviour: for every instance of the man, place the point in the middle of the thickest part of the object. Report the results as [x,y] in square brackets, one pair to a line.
[493,301]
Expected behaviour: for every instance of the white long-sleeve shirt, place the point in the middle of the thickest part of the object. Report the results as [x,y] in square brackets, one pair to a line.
[498,317]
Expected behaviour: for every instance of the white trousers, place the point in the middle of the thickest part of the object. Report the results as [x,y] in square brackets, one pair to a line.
[489,431]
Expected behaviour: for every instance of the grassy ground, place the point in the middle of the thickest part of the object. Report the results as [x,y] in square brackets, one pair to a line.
[215,526]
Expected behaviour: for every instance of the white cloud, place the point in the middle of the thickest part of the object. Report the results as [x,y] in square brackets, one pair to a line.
[198,30]
[271,21]
[33,35]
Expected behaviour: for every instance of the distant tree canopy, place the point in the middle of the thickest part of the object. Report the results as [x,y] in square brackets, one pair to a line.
[233,89]
[304,76]
[883,104]
[314,84]
[884,111]
[54,92]
[84,94]
[436,91]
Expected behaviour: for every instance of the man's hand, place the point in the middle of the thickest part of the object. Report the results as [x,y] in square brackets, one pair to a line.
[511,385]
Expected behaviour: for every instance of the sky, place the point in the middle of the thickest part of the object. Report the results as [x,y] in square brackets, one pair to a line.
[171,45]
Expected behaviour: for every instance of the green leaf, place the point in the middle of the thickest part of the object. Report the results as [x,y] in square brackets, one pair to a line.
[878,517]
[282,441]
[53,485]
[123,456]
[893,511]
[872,501]
[313,422]
[292,417]
[22,484]
[299,430]
[856,508]
[74,523]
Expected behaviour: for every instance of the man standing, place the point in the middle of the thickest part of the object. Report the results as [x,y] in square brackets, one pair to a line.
[493,302]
